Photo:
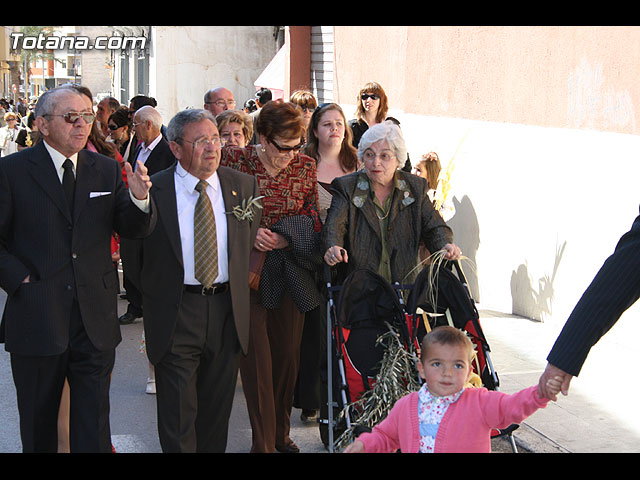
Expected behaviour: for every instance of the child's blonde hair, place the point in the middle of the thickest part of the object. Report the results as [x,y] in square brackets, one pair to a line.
[431,164]
[446,335]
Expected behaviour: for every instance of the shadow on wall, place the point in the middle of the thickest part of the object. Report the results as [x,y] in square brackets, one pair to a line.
[466,234]
[530,302]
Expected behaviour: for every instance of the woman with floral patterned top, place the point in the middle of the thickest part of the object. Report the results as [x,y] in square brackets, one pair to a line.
[289,237]
[380,215]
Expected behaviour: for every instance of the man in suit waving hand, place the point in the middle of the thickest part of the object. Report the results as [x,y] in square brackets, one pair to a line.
[195,284]
[59,205]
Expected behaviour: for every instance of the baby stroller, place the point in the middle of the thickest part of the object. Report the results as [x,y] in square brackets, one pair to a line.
[441,297]
[367,308]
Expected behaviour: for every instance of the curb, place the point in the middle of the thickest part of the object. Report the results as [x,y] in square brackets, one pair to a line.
[530,440]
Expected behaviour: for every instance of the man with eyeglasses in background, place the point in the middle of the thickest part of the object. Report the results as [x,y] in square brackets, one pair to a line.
[136,103]
[59,204]
[219,99]
[154,153]
[196,318]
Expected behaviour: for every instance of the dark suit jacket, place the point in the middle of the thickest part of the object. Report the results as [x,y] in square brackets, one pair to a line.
[613,290]
[163,270]
[65,257]
[161,157]
[353,224]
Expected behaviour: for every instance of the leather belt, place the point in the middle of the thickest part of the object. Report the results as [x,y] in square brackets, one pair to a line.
[215,289]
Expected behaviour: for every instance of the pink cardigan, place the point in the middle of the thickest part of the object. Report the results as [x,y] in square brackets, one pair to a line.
[466,425]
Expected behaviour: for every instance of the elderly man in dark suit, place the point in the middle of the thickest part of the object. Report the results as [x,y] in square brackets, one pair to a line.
[613,290]
[59,205]
[155,154]
[196,318]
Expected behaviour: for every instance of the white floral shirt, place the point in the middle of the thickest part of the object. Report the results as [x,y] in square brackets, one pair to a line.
[431,409]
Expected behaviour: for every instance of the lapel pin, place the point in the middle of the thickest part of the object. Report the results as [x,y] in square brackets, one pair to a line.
[234,193]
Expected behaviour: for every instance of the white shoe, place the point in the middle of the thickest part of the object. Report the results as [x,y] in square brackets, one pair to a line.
[151,386]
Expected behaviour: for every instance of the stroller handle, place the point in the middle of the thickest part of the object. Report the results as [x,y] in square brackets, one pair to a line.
[326,270]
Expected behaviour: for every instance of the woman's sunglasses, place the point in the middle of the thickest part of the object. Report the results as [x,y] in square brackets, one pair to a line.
[372,96]
[287,149]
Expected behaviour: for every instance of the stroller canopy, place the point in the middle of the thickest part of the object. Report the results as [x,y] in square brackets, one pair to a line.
[366,299]
[437,290]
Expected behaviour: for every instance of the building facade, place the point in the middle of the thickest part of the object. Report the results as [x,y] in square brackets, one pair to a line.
[539,126]
[538,123]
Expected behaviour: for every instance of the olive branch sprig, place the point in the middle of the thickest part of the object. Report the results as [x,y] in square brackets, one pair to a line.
[245,210]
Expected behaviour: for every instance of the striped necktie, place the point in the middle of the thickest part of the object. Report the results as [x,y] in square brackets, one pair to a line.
[204,238]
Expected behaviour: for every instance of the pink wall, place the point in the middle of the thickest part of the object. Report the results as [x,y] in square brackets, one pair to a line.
[567,77]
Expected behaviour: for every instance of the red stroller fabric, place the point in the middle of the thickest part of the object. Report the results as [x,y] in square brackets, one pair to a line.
[365,304]
[450,293]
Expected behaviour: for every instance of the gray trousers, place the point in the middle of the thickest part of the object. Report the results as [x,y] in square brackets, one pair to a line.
[196,379]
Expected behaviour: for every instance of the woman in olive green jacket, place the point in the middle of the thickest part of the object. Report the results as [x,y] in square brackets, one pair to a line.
[379,215]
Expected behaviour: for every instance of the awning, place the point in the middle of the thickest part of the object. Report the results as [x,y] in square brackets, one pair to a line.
[272,77]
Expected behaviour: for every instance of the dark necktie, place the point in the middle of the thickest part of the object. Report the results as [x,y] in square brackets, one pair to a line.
[204,239]
[68,182]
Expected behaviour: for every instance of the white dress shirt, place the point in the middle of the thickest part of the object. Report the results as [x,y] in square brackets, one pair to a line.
[186,198]
[145,151]
[58,160]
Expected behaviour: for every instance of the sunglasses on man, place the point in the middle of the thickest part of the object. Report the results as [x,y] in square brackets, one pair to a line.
[72,117]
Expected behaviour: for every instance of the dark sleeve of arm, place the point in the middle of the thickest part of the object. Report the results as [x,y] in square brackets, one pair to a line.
[613,290]
[435,232]
[12,270]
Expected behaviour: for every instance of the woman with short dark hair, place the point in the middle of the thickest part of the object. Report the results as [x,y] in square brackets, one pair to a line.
[288,239]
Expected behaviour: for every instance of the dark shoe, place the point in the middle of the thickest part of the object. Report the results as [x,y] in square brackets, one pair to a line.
[127,318]
[289,448]
[308,414]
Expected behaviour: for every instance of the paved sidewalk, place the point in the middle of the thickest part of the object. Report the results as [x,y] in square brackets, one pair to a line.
[596,417]
[599,414]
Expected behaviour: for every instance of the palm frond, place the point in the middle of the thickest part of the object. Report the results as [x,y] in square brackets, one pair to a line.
[398,375]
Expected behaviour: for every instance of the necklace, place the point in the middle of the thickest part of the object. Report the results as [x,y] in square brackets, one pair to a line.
[385,215]
[382,207]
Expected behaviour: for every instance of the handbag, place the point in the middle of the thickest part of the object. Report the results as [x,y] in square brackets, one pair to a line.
[256,262]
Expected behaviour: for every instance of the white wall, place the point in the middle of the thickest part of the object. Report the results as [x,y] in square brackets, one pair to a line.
[528,197]
[188,61]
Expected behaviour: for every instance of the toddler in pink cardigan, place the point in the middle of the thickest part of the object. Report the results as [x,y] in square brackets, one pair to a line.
[444,416]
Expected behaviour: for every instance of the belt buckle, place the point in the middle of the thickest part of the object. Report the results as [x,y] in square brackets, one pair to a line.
[207,291]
